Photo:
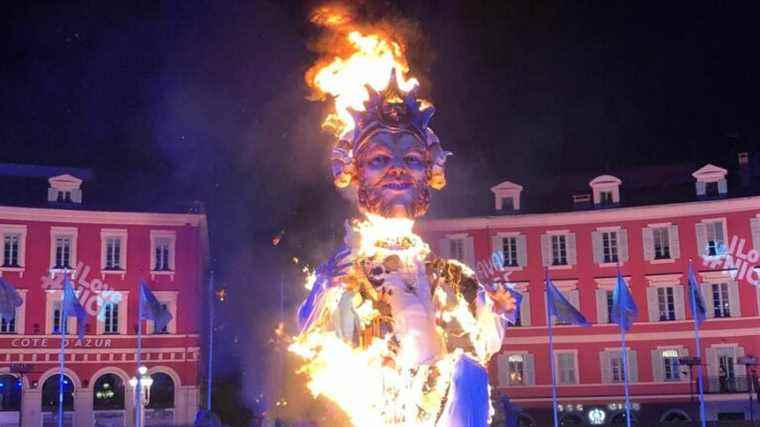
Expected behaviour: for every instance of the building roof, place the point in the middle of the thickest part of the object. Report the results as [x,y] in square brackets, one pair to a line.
[27,186]
[640,186]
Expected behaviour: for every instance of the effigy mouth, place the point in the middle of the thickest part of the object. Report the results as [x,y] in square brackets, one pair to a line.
[398,186]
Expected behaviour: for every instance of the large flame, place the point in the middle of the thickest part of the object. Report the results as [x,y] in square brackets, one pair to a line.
[367,58]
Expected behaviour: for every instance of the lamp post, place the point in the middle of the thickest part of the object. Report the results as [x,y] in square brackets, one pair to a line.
[691,362]
[142,383]
[749,363]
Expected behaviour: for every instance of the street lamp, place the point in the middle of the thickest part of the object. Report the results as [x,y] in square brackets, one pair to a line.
[141,384]
[749,363]
[691,362]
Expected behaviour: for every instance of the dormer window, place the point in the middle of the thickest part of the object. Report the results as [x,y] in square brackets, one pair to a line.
[606,190]
[507,196]
[711,181]
[65,189]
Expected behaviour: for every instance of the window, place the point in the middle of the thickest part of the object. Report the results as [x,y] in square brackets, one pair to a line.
[610,246]
[715,238]
[508,203]
[11,243]
[566,367]
[711,189]
[168,299]
[720,300]
[63,252]
[63,248]
[510,251]
[726,365]
[617,368]
[559,249]
[163,251]
[111,318]
[610,303]
[666,303]
[661,243]
[516,369]
[57,319]
[456,249]
[671,368]
[7,326]
[605,197]
[113,253]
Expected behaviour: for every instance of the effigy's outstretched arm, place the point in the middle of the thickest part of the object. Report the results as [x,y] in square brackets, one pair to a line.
[492,313]
[326,275]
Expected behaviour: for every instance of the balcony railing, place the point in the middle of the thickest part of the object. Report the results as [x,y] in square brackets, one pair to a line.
[735,384]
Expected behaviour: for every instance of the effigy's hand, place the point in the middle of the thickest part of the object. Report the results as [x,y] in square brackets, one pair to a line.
[502,299]
[333,268]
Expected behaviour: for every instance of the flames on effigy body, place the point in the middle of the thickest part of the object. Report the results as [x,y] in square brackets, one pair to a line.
[373,385]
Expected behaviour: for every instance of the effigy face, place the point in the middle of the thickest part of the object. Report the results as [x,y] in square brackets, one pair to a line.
[392,175]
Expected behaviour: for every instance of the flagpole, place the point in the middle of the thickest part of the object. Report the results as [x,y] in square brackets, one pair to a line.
[210,341]
[551,353]
[702,420]
[138,388]
[624,356]
[62,325]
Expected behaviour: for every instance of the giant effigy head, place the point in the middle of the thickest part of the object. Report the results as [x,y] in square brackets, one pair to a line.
[391,155]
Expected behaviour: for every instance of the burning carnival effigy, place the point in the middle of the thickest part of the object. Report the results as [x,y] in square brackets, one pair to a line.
[392,334]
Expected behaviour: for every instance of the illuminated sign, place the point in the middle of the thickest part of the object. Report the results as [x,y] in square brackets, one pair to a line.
[596,416]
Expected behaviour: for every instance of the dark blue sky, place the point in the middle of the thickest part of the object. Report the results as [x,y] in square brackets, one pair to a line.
[205,100]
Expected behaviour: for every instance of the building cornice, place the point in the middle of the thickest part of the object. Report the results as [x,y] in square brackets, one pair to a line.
[72,216]
[616,215]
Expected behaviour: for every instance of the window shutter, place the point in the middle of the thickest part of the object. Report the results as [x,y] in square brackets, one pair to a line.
[596,246]
[657,366]
[722,186]
[574,298]
[469,251]
[522,251]
[707,296]
[444,248]
[733,299]
[76,195]
[572,257]
[502,369]
[739,369]
[525,309]
[497,246]
[754,224]
[712,363]
[530,371]
[633,366]
[701,188]
[546,250]
[675,244]
[701,230]
[604,362]
[678,299]
[601,306]
[647,235]
[653,307]
[622,236]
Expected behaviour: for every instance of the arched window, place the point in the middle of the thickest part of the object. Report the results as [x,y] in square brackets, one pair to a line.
[10,393]
[525,421]
[108,393]
[674,416]
[161,392]
[50,394]
[570,420]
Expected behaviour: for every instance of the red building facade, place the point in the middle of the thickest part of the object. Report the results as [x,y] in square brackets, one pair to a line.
[107,253]
[718,229]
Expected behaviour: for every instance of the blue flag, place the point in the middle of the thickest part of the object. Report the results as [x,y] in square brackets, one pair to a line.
[71,306]
[152,309]
[697,304]
[9,300]
[560,307]
[624,310]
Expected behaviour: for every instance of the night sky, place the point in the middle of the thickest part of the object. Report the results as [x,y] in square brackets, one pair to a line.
[190,100]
